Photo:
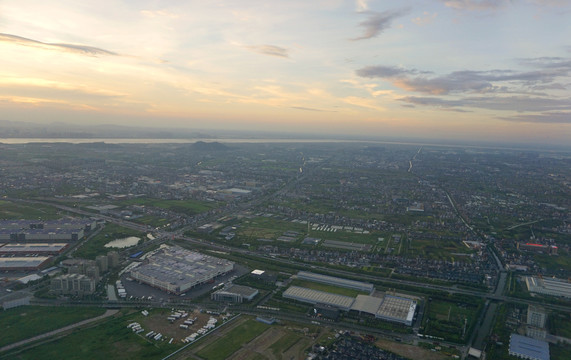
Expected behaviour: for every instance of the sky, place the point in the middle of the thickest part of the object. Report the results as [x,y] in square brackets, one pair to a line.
[438,69]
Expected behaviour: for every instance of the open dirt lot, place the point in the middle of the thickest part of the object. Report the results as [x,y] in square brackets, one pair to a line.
[410,351]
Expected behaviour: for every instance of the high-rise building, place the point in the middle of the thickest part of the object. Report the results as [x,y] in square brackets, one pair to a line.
[102,263]
[113,259]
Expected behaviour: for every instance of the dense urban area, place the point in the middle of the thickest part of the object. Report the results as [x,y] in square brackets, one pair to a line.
[284,250]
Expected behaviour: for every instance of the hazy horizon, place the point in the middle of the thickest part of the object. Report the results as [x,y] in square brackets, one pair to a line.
[470,70]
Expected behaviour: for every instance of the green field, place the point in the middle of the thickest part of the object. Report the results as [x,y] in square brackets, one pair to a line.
[439,249]
[188,207]
[327,288]
[451,320]
[109,340]
[27,321]
[11,210]
[284,343]
[268,228]
[233,340]
[96,246]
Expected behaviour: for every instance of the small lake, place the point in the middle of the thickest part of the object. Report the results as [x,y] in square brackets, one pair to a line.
[123,243]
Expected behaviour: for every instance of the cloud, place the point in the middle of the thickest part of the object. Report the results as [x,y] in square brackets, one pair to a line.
[492,5]
[271,50]
[383,71]
[543,118]
[501,103]
[362,5]
[426,19]
[475,5]
[378,22]
[463,81]
[305,108]
[73,48]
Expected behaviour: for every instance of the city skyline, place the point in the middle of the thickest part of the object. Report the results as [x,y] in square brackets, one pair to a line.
[465,70]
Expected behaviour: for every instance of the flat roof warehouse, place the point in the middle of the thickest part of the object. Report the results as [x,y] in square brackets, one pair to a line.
[176,270]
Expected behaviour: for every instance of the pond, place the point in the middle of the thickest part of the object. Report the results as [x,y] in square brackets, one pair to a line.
[123,243]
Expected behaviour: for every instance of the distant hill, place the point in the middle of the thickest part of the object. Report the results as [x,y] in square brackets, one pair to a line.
[209,146]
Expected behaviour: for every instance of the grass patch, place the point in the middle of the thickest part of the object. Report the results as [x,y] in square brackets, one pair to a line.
[188,207]
[285,343]
[96,246]
[109,340]
[10,210]
[439,249]
[327,288]
[27,321]
[233,341]
[450,320]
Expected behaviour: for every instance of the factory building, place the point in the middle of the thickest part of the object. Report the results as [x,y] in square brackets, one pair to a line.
[24,231]
[331,280]
[175,270]
[390,308]
[553,287]
[235,294]
[23,263]
[528,348]
[18,249]
[540,248]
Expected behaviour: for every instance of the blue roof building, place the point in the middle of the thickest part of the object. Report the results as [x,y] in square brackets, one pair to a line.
[528,348]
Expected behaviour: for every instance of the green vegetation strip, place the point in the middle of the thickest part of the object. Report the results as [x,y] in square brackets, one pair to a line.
[233,341]
[28,321]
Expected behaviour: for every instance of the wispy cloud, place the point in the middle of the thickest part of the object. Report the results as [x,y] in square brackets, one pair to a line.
[378,22]
[73,48]
[543,118]
[475,5]
[425,19]
[463,81]
[271,50]
[305,108]
[501,103]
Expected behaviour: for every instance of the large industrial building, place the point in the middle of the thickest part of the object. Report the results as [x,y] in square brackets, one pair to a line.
[235,293]
[528,348]
[391,308]
[23,263]
[331,280]
[17,249]
[175,270]
[319,297]
[553,287]
[49,230]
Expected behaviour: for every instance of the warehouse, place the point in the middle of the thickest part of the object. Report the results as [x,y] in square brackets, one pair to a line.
[52,230]
[18,249]
[235,293]
[390,308]
[397,309]
[331,280]
[175,270]
[319,297]
[552,287]
[23,263]
[528,348]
